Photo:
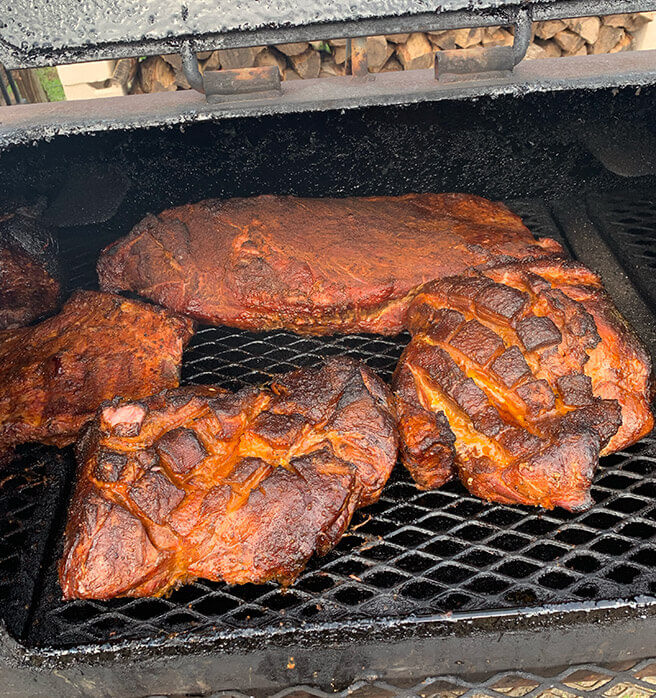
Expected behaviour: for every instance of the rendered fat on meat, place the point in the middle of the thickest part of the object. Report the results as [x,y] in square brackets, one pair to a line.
[54,375]
[241,487]
[517,378]
[313,266]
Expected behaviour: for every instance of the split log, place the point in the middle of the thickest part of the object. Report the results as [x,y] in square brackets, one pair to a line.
[213,62]
[416,53]
[609,37]
[233,58]
[329,68]
[295,49]
[620,21]
[549,29]
[156,75]
[551,48]
[630,22]
[175,61]
[569,41]
[339,54]
[269,56]
[124,73]
[535,51]
[466,38]
[497,37]
[290,74]
[443,40]
[306,64]
[398,38]
[586,27]
[624,44]
[391,66]
[639,20]
[378,51]
[581,51]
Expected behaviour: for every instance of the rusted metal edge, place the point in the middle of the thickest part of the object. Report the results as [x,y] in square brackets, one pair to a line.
[242,83]
[36,122]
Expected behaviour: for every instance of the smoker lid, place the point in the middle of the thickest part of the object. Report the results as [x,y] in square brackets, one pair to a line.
[45,32]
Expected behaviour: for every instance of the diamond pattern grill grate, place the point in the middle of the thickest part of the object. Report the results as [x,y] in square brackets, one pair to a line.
[620,680]
[629,226]
[411,553]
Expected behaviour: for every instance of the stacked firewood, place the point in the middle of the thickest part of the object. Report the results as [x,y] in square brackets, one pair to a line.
[568,37]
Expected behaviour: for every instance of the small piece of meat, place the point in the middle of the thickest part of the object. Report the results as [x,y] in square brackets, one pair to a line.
[29,288]
[313,266]
[54,375]
[519,394]
[244,487]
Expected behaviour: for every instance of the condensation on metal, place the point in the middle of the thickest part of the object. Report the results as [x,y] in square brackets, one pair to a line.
[51,32]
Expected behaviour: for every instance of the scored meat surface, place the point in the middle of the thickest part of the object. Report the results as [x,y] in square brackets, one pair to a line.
[241,487]
[316,266]
[55,375]
[517,378]
[28,287]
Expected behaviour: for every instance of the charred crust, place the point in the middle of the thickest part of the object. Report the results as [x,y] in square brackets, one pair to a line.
[240,487]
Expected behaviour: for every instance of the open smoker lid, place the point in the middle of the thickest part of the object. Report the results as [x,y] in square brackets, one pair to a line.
[45,32]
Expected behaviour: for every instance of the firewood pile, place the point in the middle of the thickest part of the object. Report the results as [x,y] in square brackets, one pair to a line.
[316,59]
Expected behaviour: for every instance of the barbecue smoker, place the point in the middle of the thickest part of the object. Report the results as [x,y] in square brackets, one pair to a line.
[424,583]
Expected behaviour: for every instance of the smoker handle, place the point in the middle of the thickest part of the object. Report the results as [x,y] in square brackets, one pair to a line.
[260,82]
[190,67]
[225,85]
[464,62]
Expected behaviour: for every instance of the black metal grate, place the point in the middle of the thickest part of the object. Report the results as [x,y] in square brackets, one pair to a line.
[411,553]
[628,224]
[619,680]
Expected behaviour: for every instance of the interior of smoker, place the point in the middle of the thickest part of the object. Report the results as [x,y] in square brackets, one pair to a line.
[414,552]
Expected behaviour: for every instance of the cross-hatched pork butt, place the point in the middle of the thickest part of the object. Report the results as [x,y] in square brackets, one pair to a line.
[517,378]
[240,487]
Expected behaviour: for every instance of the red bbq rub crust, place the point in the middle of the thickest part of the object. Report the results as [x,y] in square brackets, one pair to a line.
[244,487]
[315,266]
[55,375]
[518,377]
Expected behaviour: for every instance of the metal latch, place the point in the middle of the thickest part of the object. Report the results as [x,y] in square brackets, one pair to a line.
[461,64]
[230,85]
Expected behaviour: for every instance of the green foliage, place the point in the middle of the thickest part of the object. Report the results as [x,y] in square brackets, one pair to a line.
[51,84]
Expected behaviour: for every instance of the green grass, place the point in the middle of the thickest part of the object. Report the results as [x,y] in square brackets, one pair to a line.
[50,82]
